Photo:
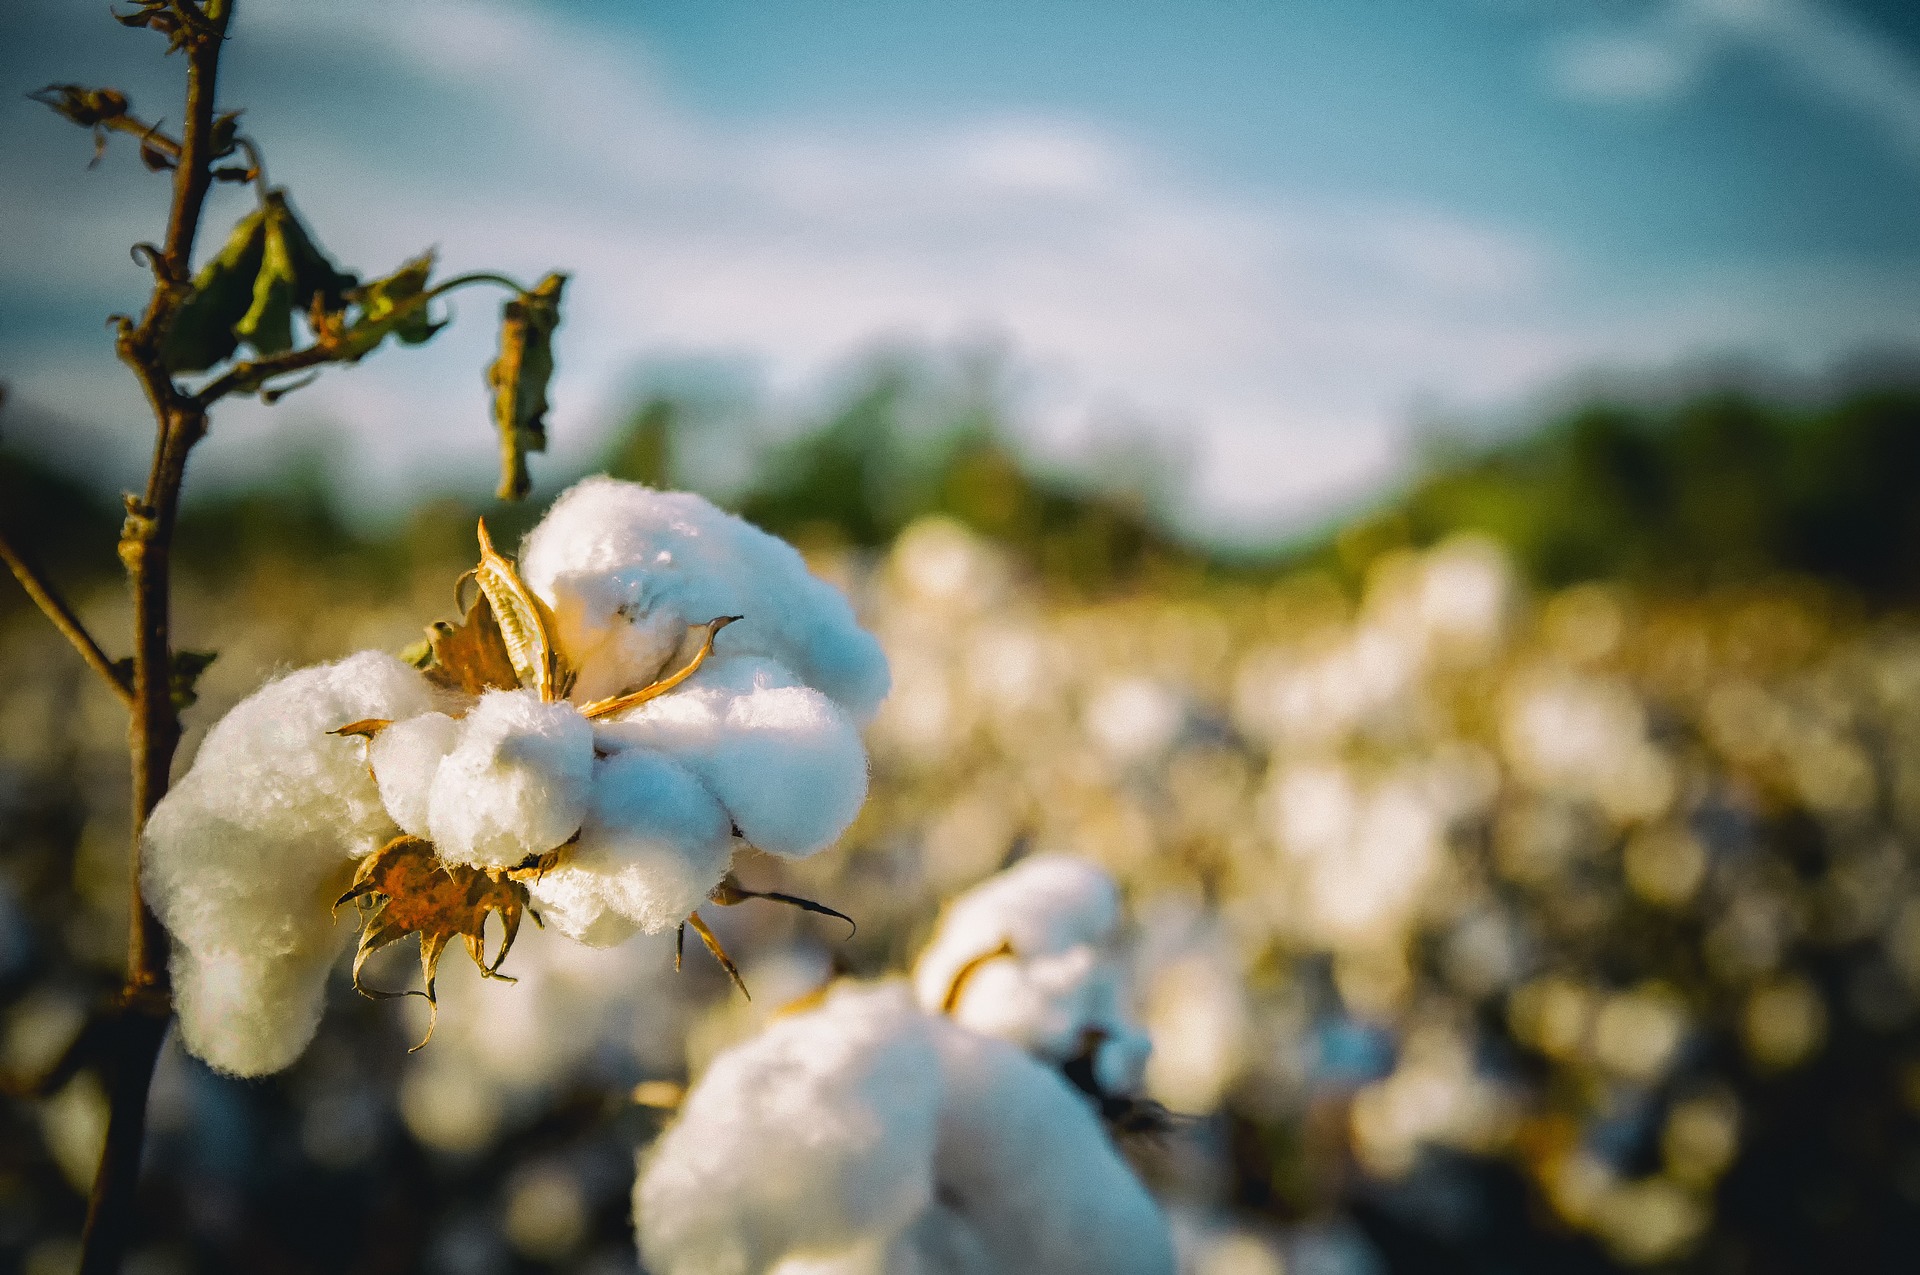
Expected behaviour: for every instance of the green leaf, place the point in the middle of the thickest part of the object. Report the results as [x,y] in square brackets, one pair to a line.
[202,332]
[294,275]
[390,305]
[181,688]
[267,325]
[226,129]
[519,379]
[314,274]
[187,668]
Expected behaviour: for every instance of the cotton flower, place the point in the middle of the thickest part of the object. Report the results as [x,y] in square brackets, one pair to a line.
[866,1136]
[600,762]
[1026,957]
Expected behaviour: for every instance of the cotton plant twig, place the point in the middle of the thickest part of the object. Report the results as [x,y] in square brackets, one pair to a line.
[141,1012]
[48,599]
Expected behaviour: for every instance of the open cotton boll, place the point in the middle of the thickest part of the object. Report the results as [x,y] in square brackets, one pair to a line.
[405,757]
[865,1136]
[653,845]
[816,1137]
[245,855]
[515,784]
[626,568]
[1032,947]
[784,760]
[1026,1181]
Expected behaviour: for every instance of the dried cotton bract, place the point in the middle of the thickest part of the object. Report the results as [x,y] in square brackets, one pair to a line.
[867,1137]
[589,747]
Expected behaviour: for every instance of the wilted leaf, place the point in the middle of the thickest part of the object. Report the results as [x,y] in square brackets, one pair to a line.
[84,106]
[519,380]
[267,325]
[202,332]
[390,305]
[293,274]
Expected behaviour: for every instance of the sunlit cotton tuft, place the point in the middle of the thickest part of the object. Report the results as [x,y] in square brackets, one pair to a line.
[246,854]
[626,569]
[867,1136]
[610,826]
[1027,957]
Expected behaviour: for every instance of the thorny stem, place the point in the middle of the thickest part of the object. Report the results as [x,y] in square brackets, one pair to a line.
[64,619]
[146,540]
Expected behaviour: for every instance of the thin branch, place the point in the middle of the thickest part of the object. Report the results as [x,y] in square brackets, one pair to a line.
[244,378]
[146,543]
[149,134]
[48,600]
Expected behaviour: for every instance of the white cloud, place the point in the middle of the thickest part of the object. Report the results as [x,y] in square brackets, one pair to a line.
[1816,42]
[1288,339]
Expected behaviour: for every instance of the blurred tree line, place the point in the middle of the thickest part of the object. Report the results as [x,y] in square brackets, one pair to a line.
[1720,488]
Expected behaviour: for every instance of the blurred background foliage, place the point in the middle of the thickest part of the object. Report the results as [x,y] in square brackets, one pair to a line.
[1524,868]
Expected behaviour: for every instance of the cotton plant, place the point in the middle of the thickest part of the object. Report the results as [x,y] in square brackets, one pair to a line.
[655,684]
[865,1136]
[1031,957]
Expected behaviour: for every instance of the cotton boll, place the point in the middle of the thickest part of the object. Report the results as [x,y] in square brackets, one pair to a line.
[405,757]
[1032,945]
[1026,1178]
[515,784]
[866,1137]
[653,845]
[245,856]
[1044,1005]
[783,759]
[814,1139]
[626,568]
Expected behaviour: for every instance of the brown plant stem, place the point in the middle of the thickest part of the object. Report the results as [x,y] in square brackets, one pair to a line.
[139,1019]
[57,610]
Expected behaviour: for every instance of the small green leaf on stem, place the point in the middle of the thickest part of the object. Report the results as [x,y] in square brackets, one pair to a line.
[294,274]
[181,686]
[202,332]
[226,129]
[393,304]
[519,380]
[187,668]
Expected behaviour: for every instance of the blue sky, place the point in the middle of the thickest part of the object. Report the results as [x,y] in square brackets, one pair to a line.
[1285,235]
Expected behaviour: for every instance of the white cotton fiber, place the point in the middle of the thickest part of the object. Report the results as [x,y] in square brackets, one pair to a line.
[786,763]
[865,1136]
[515,784]
[245,856]
[1026,1181]
[1059,988]
[627,569]
[653,844]
[816,1137]
[406,755]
